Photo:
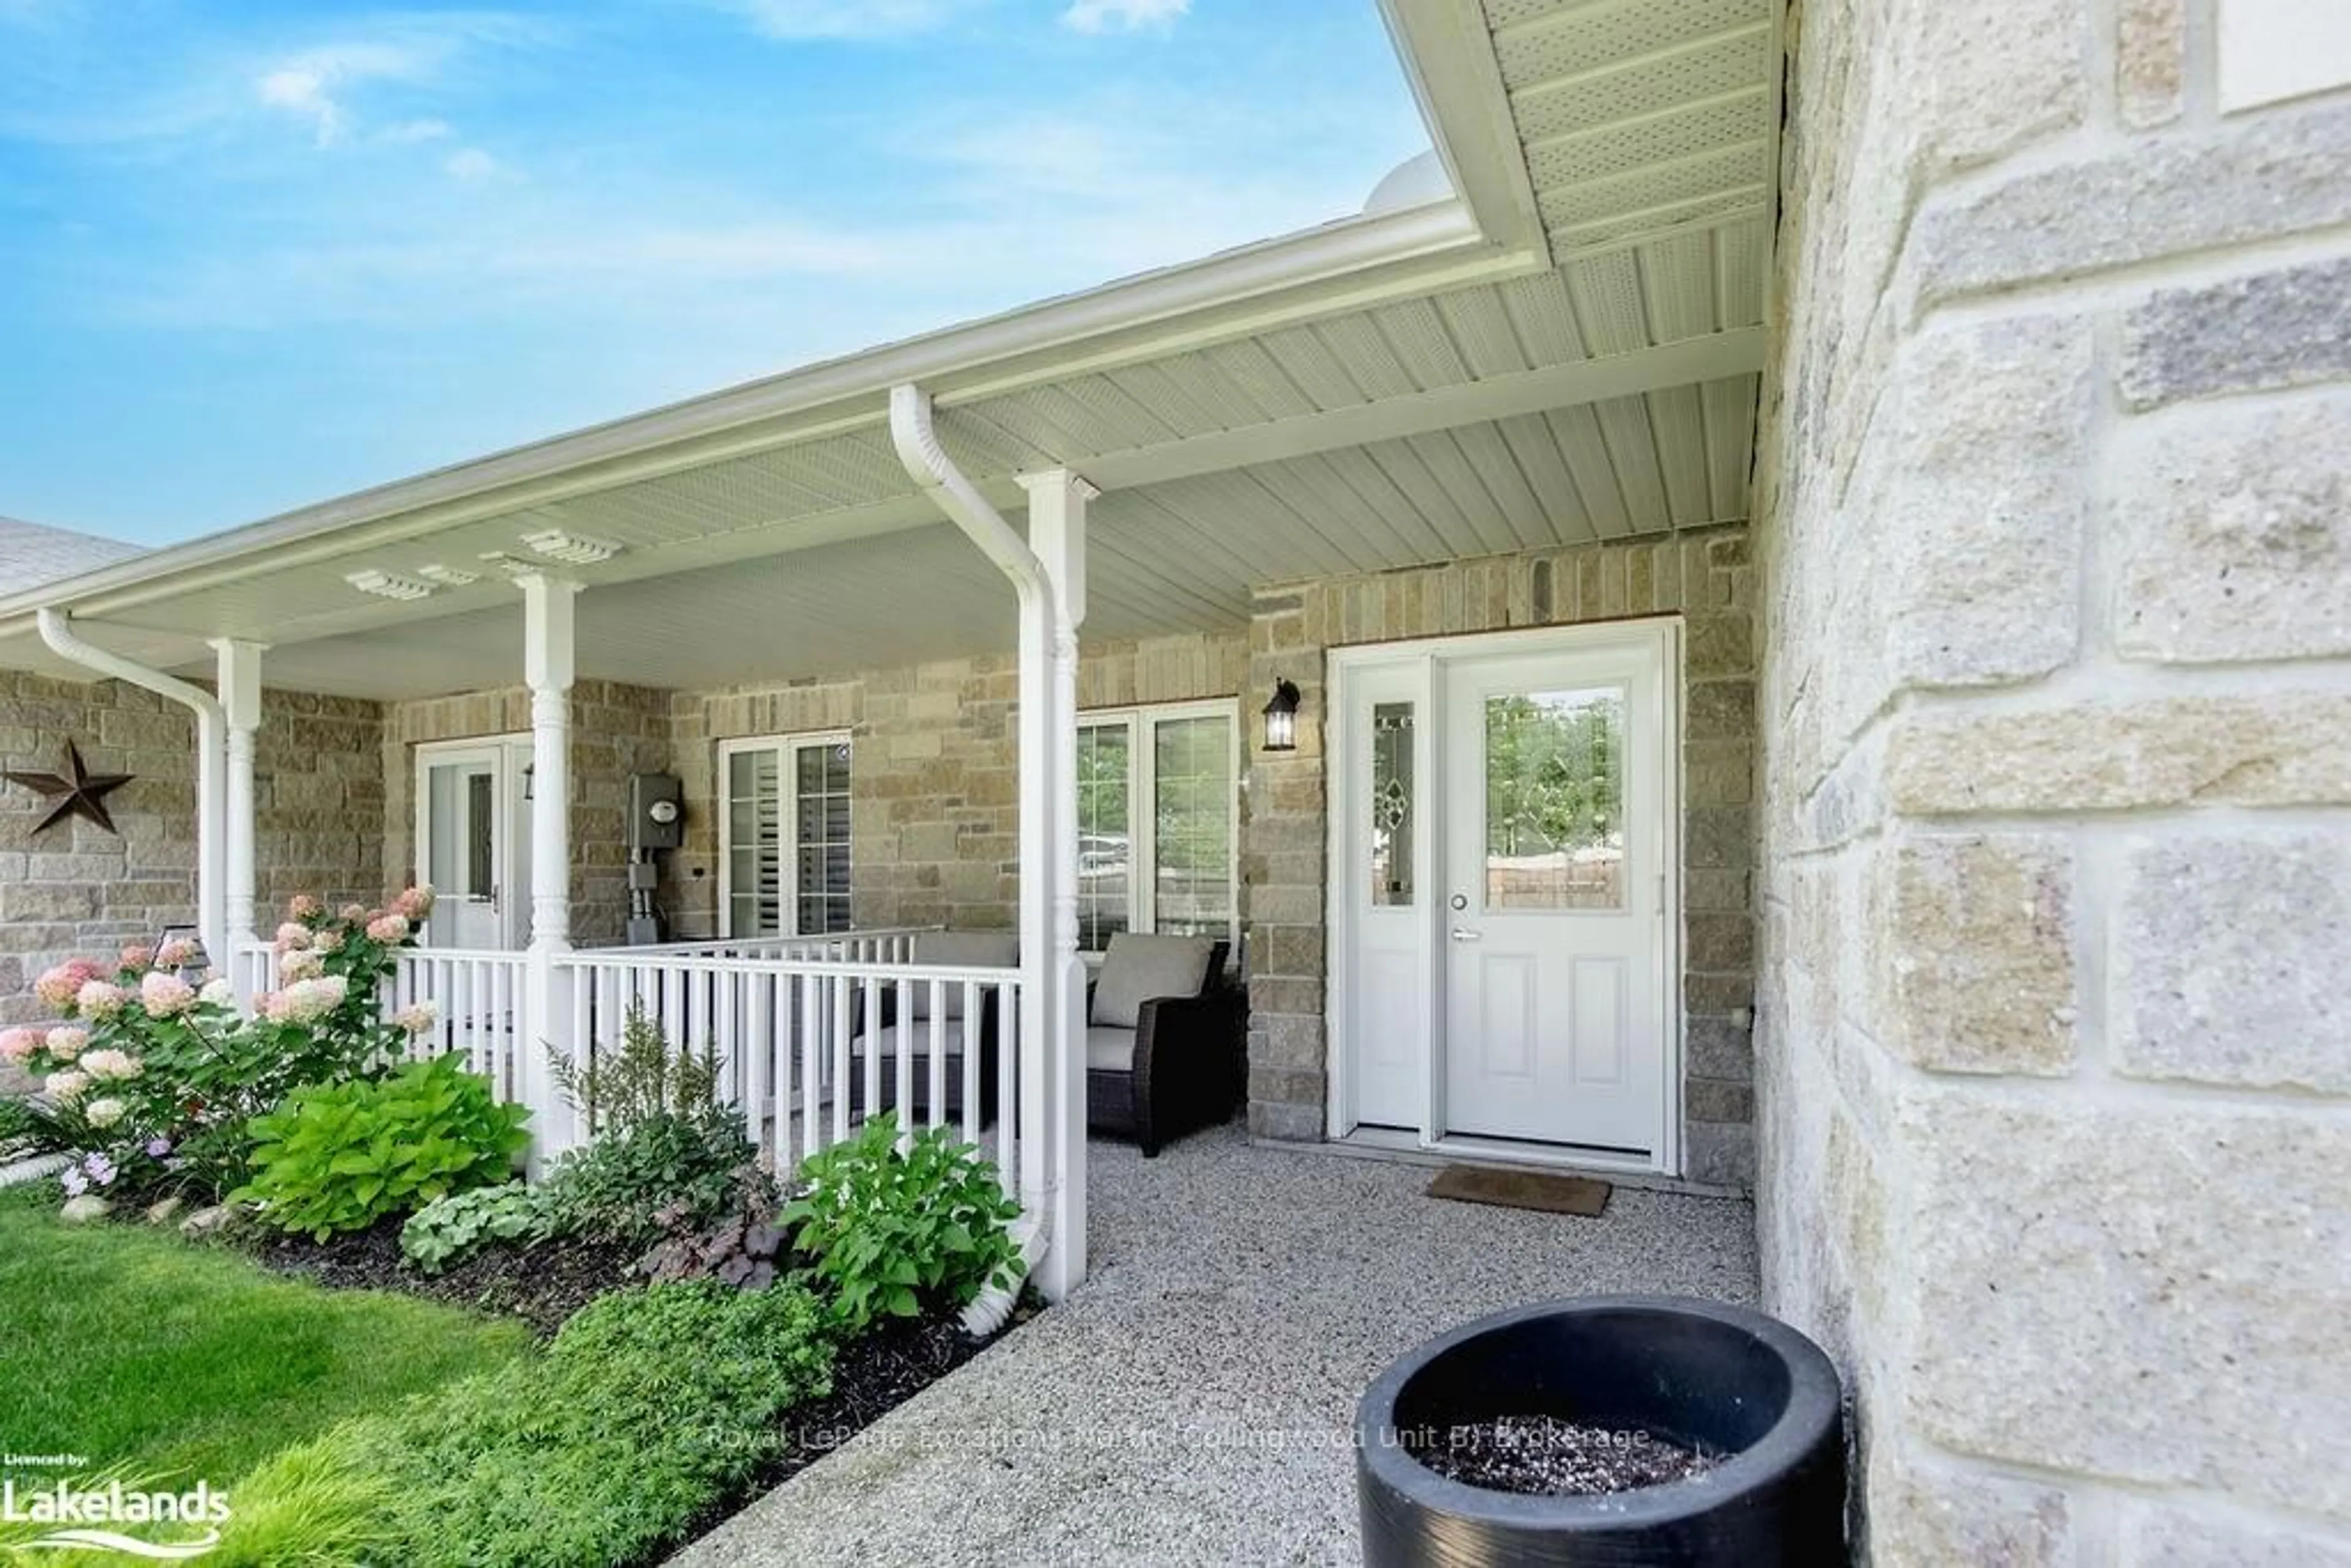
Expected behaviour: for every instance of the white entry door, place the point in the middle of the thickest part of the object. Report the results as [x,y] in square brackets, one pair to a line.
[1554,885]
[473,837]
[1503,892]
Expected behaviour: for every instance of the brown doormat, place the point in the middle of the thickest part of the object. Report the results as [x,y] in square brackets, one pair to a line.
[1521,1189]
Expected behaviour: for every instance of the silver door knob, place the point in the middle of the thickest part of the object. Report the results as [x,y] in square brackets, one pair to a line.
[1462,934]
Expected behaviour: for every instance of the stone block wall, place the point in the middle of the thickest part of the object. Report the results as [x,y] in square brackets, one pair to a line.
[77,889]
[935,802]
[616,730]
[2055,540]
[1704,574]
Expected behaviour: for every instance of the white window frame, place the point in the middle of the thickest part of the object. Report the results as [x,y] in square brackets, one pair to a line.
[788,779]
[1140,722]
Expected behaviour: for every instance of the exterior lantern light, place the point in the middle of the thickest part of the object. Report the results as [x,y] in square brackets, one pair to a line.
[1281,719]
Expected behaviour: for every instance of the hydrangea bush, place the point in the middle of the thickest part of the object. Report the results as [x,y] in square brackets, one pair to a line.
[149,1079]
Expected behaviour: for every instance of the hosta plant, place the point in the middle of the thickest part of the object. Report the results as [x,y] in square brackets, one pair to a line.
[902,1232]
[340,1156]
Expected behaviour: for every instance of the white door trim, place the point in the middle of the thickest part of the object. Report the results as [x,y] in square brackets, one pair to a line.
[1662,633]
[501,751]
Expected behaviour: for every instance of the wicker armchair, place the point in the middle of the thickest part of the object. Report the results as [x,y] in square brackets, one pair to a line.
[1180,1064]
[978,949]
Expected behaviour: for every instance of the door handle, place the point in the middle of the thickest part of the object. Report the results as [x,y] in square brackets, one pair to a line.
[1461,933]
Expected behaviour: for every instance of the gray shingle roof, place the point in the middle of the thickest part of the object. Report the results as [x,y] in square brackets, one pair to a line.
[32,554]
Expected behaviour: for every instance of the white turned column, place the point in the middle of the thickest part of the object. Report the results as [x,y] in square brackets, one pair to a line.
[238,685]
[547,663]
[1056,535]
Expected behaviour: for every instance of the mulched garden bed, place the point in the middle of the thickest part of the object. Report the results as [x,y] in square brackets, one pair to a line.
[1543,1457]
[542,1284]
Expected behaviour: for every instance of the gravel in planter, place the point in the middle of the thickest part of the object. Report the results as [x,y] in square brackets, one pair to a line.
[1544,1456]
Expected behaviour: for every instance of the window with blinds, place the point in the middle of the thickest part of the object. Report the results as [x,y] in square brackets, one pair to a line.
[786,817]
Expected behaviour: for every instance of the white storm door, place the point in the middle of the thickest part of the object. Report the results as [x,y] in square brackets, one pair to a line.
[1554,886]
[470,811]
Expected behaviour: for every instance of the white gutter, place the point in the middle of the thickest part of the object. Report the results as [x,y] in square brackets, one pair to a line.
[211,752]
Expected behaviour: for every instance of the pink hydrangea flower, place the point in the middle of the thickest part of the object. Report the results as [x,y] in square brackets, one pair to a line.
[387,928]
[17,1045]
[138,956]
[307,1002]
[176,954]
[218,992]
[306,965]
[165,994]
[414,904]
[292,938]
[66,1040]
[354,914]
[58,986]
[418,1018]
[330,941]
[64,1088]
[97,999]
[306,906]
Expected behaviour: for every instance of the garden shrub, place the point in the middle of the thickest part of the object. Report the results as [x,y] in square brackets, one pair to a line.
[683,1168]
[152,1078]
[902,1232]
[745,1249]
[644,1078]
[649,1407]
[444,1232]
[340,1156]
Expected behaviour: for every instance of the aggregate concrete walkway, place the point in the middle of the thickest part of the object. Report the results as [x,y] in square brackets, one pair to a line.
[1192,1402]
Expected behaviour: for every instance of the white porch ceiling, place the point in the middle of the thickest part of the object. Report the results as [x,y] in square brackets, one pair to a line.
[1610,395]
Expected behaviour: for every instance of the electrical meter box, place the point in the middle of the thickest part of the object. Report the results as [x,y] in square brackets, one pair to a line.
[656,811]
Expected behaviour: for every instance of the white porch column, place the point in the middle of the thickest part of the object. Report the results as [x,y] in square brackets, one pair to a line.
[548,602]
[238,685]
[1048,788]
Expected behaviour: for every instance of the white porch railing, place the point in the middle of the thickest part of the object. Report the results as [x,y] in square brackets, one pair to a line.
[809,1047]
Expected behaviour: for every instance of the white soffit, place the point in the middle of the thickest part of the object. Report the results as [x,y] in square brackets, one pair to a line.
[1641,116]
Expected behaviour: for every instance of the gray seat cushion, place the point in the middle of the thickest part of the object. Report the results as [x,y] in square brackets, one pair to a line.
[953,1037]
[1139,967]
[1109,1049]
[958,950]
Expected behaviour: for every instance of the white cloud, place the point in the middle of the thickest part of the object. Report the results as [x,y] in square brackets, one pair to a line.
[307,86]
[805,19]
[1122,15]
[413,131]
[472,165]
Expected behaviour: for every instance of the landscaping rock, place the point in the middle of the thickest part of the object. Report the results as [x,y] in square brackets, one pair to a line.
[208,1221]
[86,1209]
[164,1212]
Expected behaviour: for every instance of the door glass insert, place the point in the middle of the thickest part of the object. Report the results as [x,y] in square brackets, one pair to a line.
[1105,834]
[1554,799]
[1392,814]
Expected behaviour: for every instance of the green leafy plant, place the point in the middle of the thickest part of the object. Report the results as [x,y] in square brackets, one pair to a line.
[451,1227]
[903,1231]
[649,1407]
[340,1156]
[685,1166]
[642,1080]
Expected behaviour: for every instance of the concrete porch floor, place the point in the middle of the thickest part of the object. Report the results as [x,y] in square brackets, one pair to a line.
[1192,1402]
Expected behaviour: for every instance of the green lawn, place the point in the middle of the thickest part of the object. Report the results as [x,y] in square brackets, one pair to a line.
[140,1350]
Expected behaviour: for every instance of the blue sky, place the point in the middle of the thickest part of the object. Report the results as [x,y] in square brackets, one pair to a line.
[255,254]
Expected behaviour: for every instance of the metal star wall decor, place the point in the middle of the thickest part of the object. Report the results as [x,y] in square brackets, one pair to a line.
[83,795]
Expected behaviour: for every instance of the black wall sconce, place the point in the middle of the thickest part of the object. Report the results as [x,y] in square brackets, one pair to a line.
[1281,719]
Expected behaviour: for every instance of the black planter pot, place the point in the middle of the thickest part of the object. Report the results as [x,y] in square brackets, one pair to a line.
[1718,1378]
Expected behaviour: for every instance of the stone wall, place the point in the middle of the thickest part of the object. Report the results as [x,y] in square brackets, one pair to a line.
[2057,698]
[1704,574]
[77,889]
[616,730]
[934,806]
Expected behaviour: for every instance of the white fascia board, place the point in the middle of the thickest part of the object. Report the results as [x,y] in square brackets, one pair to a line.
[1337,266]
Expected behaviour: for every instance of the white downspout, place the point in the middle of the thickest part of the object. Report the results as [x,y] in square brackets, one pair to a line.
[212,744]
[916,439]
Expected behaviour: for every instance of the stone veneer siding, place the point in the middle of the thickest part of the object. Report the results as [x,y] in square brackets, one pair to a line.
[934,789]
[616,730]
[1703,574]
[2055,536]
[77,889]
